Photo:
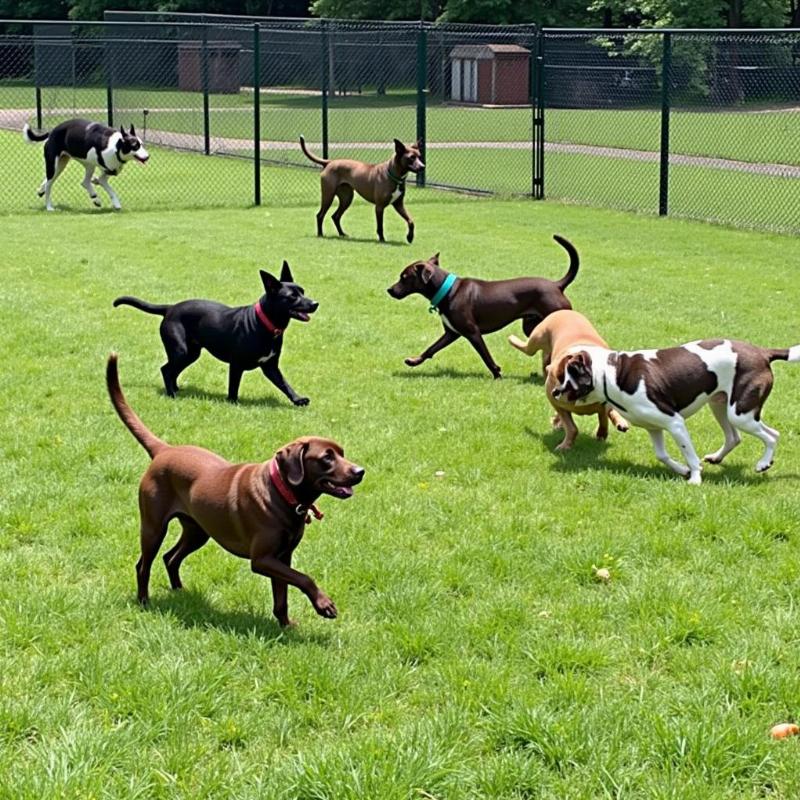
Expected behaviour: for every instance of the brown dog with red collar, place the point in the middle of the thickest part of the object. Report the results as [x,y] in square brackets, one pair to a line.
[380,184]
[556,335]
[254,511]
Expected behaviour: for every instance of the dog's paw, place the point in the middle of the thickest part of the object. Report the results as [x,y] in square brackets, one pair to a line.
[301,401]
[413,362]
[497,373]
[763,466]
[96,202]
[623,427]
[563,447]
[601,434]
[324,606]
[410,236]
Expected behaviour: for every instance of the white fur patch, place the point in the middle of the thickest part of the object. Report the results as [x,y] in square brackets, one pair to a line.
[396,195]
[794,353]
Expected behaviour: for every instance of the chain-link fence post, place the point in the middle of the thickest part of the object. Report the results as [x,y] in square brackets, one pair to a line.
[422,82]
[663,178]
[257,114]
[537,88]
[109,70]
[204,80]
[326,79]
[39,107]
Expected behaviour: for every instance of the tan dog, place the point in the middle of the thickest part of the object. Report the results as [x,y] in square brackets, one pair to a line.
[381,184]
[556,335]
[254,511]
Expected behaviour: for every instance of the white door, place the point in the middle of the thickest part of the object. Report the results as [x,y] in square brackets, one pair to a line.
[455,80]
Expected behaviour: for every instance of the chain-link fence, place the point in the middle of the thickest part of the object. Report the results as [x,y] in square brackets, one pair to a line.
[578,115]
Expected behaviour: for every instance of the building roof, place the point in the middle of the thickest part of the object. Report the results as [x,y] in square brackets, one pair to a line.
[481,51]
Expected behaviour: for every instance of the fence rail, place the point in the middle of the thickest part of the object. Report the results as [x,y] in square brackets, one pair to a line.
[693,123]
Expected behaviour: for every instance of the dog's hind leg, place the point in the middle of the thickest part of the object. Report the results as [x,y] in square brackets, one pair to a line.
[401,210]
[89,186]
[732,438]
[657,438]
[345,195]
[192,539]
[153,531]
[758,428]
[102,180]
[53,168]
[328,193]
[180,354]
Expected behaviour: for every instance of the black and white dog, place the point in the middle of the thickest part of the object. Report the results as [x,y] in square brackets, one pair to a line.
[92,144]
[658,389]
[244,337]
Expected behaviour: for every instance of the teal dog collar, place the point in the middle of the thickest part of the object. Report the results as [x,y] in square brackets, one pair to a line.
[440,295]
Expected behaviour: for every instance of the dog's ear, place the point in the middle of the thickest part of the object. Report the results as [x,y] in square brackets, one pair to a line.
[271,283]
[294,462]
[434,259]
[133,130]
[122,131]
[418,144]
[399,147]
[425,272]
[286,273]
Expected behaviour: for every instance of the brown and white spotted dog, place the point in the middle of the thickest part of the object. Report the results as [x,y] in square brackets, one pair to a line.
[658,389]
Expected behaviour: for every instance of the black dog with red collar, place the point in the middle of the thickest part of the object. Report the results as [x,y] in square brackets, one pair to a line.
[244,337]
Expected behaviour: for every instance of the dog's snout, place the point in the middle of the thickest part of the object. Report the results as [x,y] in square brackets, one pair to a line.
[314,305]
[357,473]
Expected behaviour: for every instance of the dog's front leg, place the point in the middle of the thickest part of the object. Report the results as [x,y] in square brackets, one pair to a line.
[476,340]
[280,602]
[448,337]
[401,210]
[234,379]
[680,434]
[89,186]
[379,221]
[657,438]
[102,180]
[275,569]
[274,374]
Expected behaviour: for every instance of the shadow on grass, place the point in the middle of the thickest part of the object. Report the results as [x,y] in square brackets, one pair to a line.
[365,240]
[190,609]
[220,397]
[590,453]
[449,372]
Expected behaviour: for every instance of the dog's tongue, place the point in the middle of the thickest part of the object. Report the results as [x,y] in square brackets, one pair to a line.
[302,316]
[344,491]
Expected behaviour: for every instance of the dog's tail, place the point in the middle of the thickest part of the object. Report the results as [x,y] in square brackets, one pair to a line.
[146,439]
[521,345]
[32,137]
[785,354]
[323,162]
[149,308]
[574,262]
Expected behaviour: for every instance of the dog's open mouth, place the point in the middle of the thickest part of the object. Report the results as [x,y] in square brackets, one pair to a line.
[336,490]
[301,315]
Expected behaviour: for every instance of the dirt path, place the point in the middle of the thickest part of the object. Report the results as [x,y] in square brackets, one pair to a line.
[14,119]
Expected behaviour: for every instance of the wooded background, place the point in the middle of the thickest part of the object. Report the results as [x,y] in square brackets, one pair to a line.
[590,13]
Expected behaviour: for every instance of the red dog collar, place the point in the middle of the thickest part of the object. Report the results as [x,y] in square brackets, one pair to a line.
[288,495]
[266,321]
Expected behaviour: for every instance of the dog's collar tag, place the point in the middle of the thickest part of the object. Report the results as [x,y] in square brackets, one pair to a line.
[266,321]
[288,495]
[440,295]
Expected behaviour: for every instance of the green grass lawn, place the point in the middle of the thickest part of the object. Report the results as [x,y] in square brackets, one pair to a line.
[772,137]
[474,656]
